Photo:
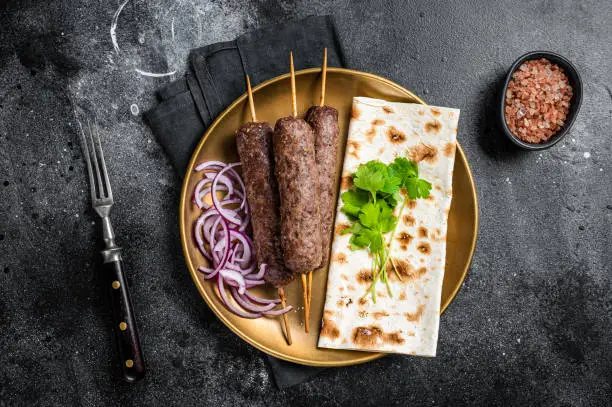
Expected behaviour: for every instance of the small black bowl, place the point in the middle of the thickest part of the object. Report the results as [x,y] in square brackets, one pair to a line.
[574,80]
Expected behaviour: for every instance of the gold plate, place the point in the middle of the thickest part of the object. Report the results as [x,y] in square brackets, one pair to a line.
[272,101]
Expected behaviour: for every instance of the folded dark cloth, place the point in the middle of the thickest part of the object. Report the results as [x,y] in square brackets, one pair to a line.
[216,77]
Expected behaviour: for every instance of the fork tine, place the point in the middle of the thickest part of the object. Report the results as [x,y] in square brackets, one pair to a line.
[96,166]
[92,181]
[107,185]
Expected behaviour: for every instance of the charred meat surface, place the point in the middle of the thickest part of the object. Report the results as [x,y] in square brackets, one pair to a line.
[254,142]
[324,122]
[297,177]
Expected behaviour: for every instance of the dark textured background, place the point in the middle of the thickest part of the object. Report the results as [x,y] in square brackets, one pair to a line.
[532,324]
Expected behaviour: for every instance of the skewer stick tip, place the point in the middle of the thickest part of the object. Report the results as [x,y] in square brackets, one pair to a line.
[310,289]
[323,79]
[306,304]
[251,102]
[281,294]
[293,92]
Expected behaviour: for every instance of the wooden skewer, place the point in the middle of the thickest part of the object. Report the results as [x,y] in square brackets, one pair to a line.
[321,103]
[306,304]
[324,74]
[281,291]
[251,103]
[293,93]
[281,294]
[309,289]
[294,113]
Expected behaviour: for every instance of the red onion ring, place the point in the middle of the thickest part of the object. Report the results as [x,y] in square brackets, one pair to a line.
[221,238]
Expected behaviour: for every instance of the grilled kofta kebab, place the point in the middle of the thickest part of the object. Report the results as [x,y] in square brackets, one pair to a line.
[254,142]
[324,122]
[297,177]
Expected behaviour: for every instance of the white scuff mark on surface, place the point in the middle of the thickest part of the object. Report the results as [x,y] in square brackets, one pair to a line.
[134,109]
[141,38]
[154,74]
[113,29]
[587,154]
[172,28]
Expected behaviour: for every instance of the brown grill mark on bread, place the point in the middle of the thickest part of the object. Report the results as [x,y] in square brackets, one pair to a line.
[329,329]
[435,112]
[379,314]
[362,313]
[433,126]
[340,258]
[346,182]
[370,134]
[367,336]
[328,313]
[394,338]
[395,136]
[430,197]
[411,203]
[404,238]
[402,296]
[344,277]
[436,235]
[405,269]
[422,231]
[415,316]
[344,301]
[341,227]
[365,276]
[355,113]
[388,109]
[449,149]
[421,113]
[424,248]
[353,148]
[371,336]
[408,220]
[378,122]
[424,152]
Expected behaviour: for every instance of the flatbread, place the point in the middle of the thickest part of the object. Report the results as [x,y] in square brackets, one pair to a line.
[408,322]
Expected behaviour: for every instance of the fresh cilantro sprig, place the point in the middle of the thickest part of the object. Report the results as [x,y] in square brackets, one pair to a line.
[371,204]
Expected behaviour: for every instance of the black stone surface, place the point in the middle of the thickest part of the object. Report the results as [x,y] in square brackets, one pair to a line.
[531,326]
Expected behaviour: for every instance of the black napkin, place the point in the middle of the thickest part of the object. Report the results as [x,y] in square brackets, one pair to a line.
[215,78]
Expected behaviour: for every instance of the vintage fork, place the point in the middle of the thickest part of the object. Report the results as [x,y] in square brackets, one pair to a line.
[124,323]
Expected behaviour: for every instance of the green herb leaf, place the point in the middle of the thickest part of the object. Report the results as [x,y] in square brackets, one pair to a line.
[417,188]
[371,177]
[353,200]
[403,169]
[369,215]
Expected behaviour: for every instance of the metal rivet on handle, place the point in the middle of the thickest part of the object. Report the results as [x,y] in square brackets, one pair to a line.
[123,326]
[129,363]
[116,284]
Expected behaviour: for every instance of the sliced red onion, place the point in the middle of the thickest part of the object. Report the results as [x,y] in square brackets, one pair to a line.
[261,300]
[208,164]
[248,305]
[221,238]
[228,303]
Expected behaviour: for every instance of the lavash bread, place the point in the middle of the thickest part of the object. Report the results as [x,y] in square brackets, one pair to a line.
[408,322]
